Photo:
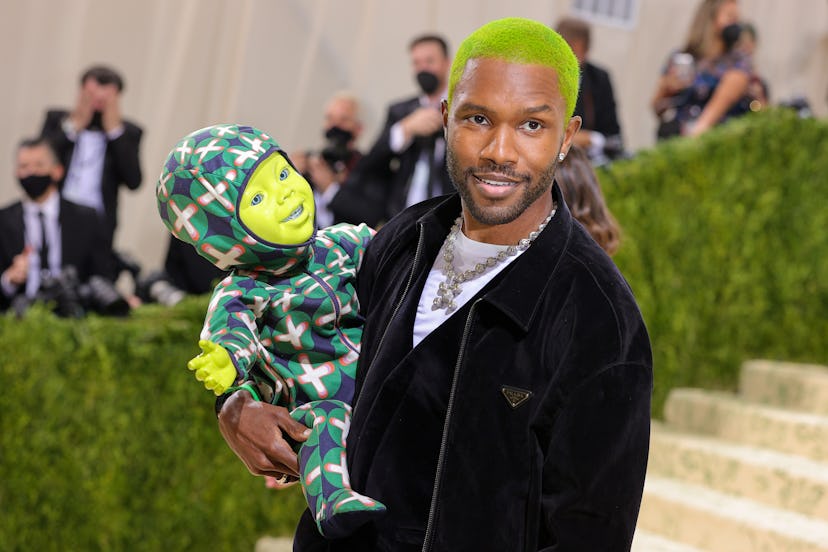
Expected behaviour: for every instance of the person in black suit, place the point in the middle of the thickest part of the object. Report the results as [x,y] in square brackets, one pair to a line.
[407,163]
[98,147]
[600,133]
[73,233]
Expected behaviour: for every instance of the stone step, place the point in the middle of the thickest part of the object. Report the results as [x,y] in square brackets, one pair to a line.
[644,541]
[717,522]
[274,544]
[773,478]
[802,387]
[733,419]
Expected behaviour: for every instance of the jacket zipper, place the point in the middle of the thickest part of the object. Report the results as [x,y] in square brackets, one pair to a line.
[432,512]
[417,254]
[337,308]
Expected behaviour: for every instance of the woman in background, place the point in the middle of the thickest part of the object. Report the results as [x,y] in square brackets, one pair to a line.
[706,82]
[582,193]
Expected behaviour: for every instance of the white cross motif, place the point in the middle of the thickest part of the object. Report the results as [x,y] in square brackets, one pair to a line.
[183,150]
[242,156]
[341,259]
[182,219]
[312,475]
[314,376]
[222,130]
[341,469]
[222,293]
[255,144]
[346,229]
[161,191]
[214,193]
[210,147]
[284,301]
[223,259]
[294,333]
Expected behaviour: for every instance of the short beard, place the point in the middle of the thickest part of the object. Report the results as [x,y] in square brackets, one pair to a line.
[493,216]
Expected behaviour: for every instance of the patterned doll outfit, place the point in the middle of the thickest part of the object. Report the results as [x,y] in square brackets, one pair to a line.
[286,314]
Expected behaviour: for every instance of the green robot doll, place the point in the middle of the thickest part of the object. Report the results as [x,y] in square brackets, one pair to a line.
[284,324]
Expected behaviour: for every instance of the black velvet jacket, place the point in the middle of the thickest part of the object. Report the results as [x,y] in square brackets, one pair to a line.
[522,422]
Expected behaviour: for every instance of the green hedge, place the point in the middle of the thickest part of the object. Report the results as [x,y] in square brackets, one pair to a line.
[726,247]
[108,443]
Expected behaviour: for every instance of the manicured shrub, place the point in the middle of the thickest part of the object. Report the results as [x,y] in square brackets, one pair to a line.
[726,247]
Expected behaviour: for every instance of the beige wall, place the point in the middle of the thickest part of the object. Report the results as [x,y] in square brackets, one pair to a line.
[272,63]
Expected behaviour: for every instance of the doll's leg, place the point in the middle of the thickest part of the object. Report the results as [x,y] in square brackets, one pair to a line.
[337,508]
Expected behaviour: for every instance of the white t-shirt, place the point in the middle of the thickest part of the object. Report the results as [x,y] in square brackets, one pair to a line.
[467,253]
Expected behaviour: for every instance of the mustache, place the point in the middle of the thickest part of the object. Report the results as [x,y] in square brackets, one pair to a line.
[504,170]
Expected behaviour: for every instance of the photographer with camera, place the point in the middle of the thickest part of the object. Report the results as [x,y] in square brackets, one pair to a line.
[327,169]
[406,164]
[51,249]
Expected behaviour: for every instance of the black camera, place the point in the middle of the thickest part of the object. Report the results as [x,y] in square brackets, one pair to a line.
[157,288]
[336,152]
[70,298]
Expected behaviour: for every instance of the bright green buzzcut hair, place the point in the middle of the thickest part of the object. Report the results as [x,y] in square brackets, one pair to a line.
[524,41]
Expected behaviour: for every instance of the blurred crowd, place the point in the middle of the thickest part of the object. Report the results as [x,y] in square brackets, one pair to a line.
[56,242]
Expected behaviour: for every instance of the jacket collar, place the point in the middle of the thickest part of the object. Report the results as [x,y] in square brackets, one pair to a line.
[518,298]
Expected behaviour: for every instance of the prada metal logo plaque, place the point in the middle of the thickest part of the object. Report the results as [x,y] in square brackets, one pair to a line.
[514,396]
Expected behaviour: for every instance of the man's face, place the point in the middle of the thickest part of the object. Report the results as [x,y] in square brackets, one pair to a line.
[507,124]
[428,56]
[99,95]
[342,113]
[37,161]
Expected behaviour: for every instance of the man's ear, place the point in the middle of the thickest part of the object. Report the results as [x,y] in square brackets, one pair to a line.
[570,131]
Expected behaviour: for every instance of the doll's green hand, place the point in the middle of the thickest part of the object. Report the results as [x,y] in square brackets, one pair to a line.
[213,367]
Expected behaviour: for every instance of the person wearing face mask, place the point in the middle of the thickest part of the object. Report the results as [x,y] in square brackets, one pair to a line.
[43,234]
[328,168]
[706,82]
[98,147]
[406,164]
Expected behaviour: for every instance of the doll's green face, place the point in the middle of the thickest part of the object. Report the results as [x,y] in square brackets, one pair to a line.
[277,203]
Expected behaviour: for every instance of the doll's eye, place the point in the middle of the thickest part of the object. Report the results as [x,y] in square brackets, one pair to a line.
[256,199]
[283,174]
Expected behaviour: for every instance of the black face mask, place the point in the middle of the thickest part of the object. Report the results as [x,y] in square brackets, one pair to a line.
[730,35]
[35,184]
[338,136]
[428,82]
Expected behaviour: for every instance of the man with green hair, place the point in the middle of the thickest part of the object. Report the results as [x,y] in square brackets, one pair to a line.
[504,383]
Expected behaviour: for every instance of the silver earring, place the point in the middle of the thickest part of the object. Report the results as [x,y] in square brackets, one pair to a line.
[561,156]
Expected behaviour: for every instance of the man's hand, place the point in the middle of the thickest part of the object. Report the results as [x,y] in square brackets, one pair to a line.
[254,431]
[213,367]
[81,115]
[18,271]
[111,113]
[321,173]
[424,121]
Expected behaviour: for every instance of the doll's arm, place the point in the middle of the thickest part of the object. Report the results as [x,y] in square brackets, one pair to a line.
[214,367]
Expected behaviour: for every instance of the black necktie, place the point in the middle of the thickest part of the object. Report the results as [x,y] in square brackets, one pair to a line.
[44,243]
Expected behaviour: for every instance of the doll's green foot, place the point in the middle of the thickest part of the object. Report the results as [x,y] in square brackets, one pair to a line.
[345,511]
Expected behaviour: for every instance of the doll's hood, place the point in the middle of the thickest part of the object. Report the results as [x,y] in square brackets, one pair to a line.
[198,196]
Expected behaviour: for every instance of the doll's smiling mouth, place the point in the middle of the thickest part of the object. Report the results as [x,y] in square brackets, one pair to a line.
[294,214]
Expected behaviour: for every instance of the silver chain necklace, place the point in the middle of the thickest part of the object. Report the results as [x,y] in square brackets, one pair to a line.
[450,288]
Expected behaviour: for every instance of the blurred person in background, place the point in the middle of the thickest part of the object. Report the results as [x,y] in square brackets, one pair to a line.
[406,164]
[98,147]
[706,82]
[600,133]
[327,169]
[582,193]
[51,249]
